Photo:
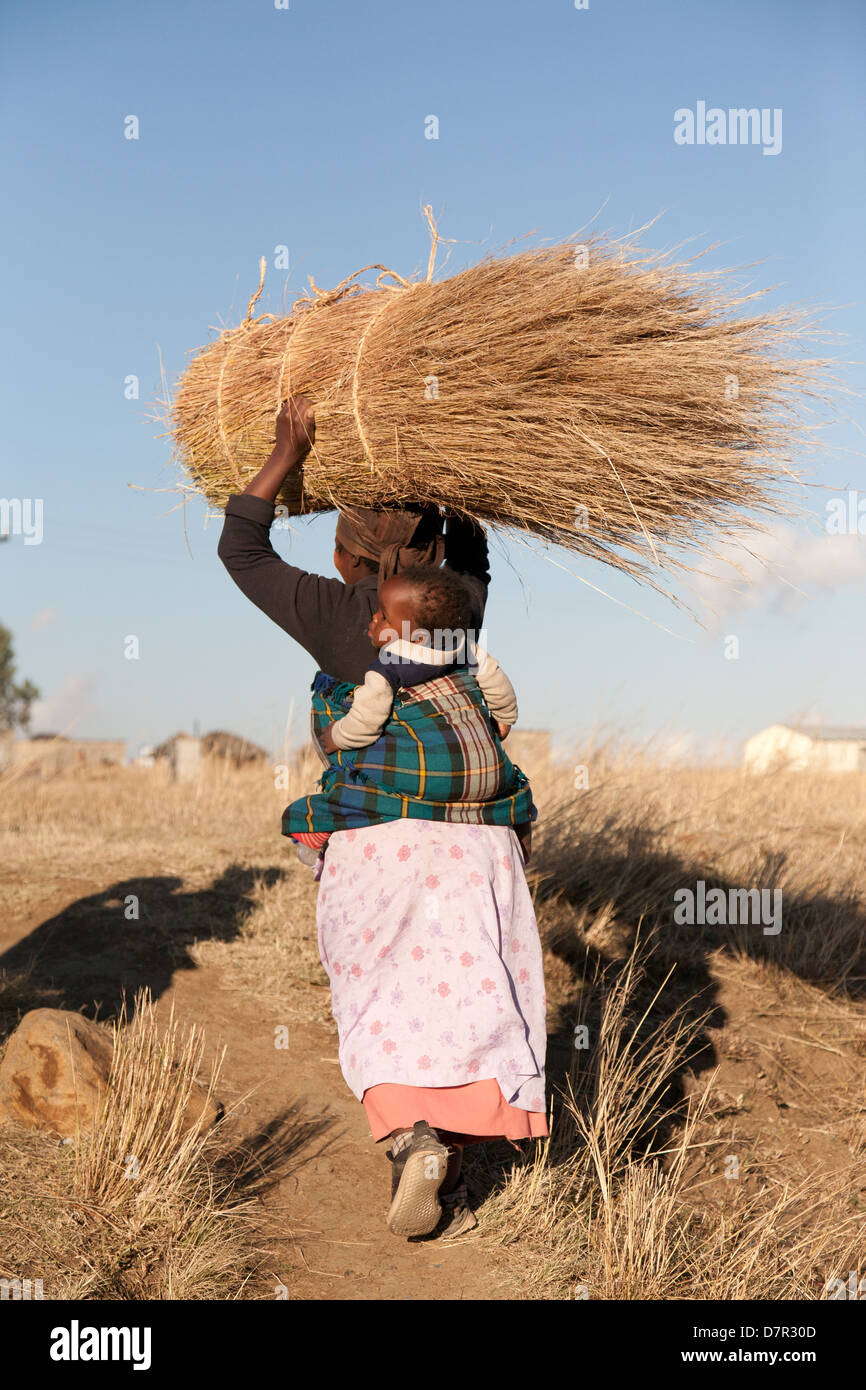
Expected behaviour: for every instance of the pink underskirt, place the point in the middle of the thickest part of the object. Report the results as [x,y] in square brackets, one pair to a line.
[468,1114]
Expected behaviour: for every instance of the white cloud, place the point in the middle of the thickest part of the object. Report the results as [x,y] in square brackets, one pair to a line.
[781,570]
[71,702]
[44,618]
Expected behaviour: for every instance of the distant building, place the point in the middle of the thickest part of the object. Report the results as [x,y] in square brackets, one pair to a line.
[239,751]
[826,748]
[217,744]
[185,758]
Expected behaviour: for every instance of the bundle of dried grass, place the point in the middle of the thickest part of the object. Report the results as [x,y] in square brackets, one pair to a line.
[593,395]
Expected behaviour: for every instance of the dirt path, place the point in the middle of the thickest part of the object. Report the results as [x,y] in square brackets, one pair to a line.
[322,1230]
[325,1219]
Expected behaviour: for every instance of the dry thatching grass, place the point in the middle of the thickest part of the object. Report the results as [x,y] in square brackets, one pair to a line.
[614,1205]
[704,1043]
[594,395]
[136,1207]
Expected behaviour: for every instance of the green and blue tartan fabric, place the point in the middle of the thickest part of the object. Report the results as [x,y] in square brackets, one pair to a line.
[438,758]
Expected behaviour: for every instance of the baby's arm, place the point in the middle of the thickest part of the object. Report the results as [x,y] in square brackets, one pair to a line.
[496,688]
[370,712]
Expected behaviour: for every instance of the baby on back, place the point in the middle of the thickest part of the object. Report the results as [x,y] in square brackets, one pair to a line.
[443,703]
[422,629]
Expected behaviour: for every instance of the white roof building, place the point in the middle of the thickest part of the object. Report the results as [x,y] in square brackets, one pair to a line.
[824,747]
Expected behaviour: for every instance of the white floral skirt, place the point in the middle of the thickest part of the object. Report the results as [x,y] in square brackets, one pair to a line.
[429,939]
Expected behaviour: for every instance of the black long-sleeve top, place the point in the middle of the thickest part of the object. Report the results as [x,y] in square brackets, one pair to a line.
[327,617]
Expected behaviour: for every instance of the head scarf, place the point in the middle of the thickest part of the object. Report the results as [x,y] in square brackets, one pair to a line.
[393,538]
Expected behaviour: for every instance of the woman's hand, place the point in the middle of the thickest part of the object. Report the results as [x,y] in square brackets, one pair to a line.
[296,429]
[326,742]
[295,432]
[503,729]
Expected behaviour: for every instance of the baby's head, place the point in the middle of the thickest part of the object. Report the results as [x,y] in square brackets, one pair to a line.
[422,604]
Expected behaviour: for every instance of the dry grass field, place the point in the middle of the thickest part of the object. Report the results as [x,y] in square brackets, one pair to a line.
[708,1127]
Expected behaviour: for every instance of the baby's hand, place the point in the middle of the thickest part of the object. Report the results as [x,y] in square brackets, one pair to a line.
[503,729]
[326,741]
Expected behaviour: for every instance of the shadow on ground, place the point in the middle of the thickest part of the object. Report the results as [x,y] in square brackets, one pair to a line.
[580,882]
[134,935]
[258,1162]
[97,950]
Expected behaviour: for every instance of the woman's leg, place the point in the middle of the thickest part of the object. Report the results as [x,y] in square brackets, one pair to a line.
[455,1168]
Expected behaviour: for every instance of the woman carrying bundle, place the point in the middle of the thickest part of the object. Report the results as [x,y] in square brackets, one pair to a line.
[425,923]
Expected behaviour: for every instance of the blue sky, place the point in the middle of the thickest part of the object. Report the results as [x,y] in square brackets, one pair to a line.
[305,127]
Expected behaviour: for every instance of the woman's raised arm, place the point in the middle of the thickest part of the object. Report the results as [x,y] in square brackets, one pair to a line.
[327,617]
[296,430]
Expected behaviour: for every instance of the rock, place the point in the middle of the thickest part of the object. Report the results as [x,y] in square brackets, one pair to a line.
[54,1071]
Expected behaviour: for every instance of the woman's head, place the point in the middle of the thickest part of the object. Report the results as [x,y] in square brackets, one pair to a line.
[384,541]
[351,567]
[422,604]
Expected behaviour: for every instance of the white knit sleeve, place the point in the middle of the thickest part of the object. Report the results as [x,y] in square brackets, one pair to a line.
[496,687]
[371,709]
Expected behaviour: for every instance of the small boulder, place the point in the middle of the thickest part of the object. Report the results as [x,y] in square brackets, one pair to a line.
[54,1071]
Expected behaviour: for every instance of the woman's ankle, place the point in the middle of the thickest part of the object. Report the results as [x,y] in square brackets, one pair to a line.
[453,1172]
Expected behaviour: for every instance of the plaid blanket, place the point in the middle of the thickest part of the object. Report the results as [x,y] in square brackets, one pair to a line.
[438,758]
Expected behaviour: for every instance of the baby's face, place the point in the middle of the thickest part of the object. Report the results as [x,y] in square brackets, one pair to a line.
[394,617]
